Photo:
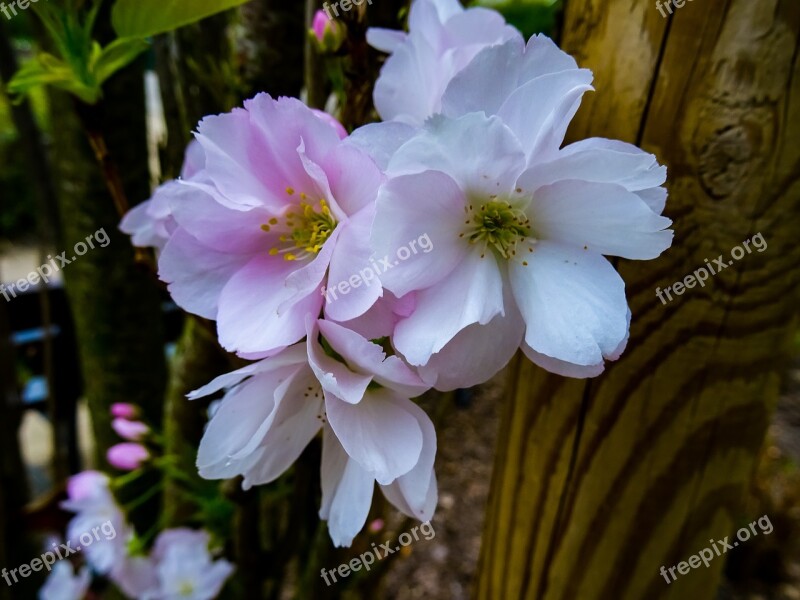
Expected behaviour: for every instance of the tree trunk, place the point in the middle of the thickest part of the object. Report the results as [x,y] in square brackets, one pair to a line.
[272,46]
[116,306]
[599,484]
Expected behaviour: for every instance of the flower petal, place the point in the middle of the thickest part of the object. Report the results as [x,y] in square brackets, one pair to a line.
[196,274]
[400,203]
[366,357]
[334,376]
[294,356]
[381,140]
[379,433]
[477,353]
[601,217]
[471,293]
[539,111]
[249,319]
[385,40]
[480,153]
[350,265]
[573,303]
[598,160]
[415,493]
[346,491]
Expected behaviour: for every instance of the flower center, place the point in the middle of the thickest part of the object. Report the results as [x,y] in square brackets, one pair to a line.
[186,589]
[303,230]
[498,226]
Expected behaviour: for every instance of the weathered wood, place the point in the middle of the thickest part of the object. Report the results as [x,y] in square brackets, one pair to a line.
[598,484]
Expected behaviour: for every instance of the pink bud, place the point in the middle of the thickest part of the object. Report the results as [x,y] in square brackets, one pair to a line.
[133,431]
[330,34]
[127,456]
[123,410]
[321,22]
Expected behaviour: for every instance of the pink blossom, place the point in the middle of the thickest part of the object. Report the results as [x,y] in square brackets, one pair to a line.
[89,497]
[127,456]
[281,206]
[133,431]
[371,430]
[64,583]
[180,566]
[442,39]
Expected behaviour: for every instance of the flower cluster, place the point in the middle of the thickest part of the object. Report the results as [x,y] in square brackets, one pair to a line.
[180,564]
[277,202]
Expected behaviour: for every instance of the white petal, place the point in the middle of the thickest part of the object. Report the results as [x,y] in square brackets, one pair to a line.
[249,319]
[468,91]
[397,224]
[560,367]
[240,423]
[573,303]
[542,56]
[296,355]
[298,418]
[381,140]
[599,161]
[480,153]
[471,293]
[368,358]
[346,491]
[539,111]
[335,377]
[477,353]
[415,493]
[379,433]
[603,218]
[385,40]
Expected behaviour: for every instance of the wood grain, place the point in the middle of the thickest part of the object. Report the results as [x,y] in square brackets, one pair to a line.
[598,484]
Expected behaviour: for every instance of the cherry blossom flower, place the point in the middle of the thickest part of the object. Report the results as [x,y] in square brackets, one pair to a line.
[180,566]
[64,584]
[371,430]
[281,203]
[442,39]
[519,247]
[95,508]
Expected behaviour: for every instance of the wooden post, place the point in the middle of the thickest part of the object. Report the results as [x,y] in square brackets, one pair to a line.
[599,484]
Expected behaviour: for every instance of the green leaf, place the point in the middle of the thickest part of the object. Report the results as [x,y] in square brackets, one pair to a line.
[115,56]
[144,18]
[46,69]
